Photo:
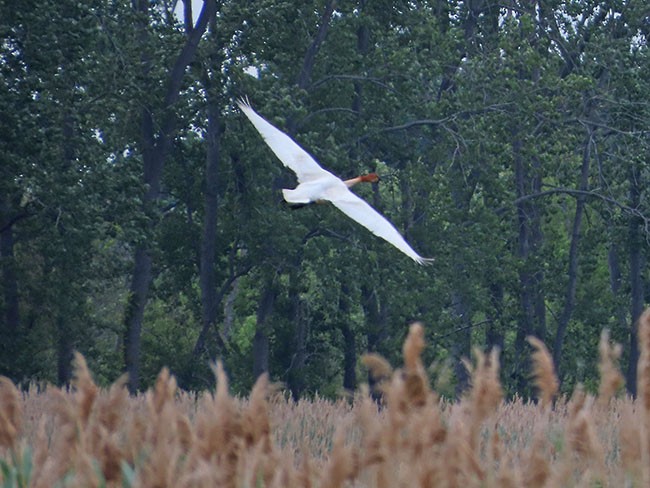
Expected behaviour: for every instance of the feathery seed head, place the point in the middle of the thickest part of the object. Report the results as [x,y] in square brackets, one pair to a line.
[10,413]
[543,371]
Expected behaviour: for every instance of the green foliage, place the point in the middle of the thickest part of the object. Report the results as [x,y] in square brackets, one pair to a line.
[478,123]
[17,471]
[168,338]
[128,475]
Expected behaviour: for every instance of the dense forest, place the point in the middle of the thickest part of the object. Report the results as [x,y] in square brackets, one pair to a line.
[142,220]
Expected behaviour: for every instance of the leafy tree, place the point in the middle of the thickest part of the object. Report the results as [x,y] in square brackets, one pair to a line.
[141,218]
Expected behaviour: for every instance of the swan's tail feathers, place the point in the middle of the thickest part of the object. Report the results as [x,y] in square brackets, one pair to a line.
[295,196]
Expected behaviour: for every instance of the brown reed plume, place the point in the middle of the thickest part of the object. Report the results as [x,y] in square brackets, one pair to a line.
[630,440]
[643,393]
[379,368]
[486,392]
[92,437]
[635,418]
[75,442]
[643,366]
[373,430]
[256,425]
[257,442]
[581,434]
[11,413]
[477,405]
[536,466]
[343,463]
[86,389]
[611,379]
[216,451]
[103,436]
[164,436]
[416,383]
[111,405]
[543,371]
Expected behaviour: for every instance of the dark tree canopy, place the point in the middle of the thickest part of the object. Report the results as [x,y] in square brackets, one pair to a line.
[142,222]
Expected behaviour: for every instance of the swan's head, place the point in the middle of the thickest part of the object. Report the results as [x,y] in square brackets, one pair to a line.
[370,178]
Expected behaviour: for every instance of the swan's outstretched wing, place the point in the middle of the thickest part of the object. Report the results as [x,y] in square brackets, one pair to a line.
[323,182]
[360,211]
[290,153]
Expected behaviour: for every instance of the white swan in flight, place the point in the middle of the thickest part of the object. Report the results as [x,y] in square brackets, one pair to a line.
[317,184]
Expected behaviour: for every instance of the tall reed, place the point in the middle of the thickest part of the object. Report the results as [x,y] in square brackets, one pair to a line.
[94,437]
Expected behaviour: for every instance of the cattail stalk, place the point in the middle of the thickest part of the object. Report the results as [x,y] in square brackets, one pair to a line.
[11,413]
[543,372]
[611,379]
[643,392]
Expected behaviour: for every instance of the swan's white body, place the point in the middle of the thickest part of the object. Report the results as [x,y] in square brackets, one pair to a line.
[316,183]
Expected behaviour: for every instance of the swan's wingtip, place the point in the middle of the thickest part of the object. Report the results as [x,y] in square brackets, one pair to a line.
[425,261]
[243,102]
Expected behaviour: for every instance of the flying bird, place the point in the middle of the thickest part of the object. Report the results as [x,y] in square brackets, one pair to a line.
[317,184]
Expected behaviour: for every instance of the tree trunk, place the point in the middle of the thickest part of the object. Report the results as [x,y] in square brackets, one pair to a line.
[635,243]
[615,282]
[349,358]
[64,351]
[528,179]
[495,335]
[528,243]
[304,76]
[462,344]
[613,262]
[349,342]
[349,335]
[154,146]
[296,368]
[209,237]
[222,336]
[63,264]
[296,375]
[312,51]
[229,309]
[376,328]
[363,43]
[572,272]
[261,338]
[138,291]
[531,293]
[188,18]
[153,158]
[461,193]
[9,328]
[9,283]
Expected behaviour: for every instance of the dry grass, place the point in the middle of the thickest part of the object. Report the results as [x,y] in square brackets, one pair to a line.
[90,437]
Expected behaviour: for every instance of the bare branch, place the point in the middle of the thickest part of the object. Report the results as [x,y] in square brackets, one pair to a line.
[461,329]
[437,122]
[637,133]
[325,110]
[592,194]
[368,79]
[13,220]
[310,56]
[187,53]
[416,123]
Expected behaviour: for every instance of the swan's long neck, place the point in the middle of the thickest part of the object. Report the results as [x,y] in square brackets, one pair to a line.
[352,181]
[369,178]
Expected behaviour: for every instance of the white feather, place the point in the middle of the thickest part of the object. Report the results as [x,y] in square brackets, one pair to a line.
[319,184]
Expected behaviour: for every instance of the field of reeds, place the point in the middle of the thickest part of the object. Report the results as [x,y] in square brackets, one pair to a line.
[91,437]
